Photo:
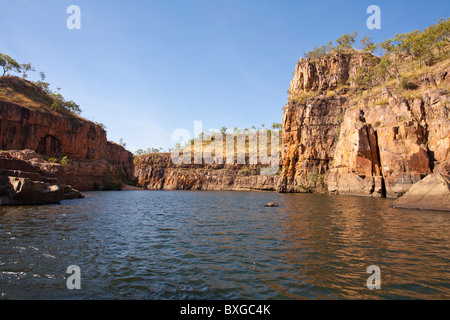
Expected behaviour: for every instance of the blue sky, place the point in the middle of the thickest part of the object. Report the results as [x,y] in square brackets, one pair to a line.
[145,68]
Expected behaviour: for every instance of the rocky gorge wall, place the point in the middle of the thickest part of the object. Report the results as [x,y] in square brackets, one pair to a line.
[25,124]
[158,172]
[379,145]
[334,140]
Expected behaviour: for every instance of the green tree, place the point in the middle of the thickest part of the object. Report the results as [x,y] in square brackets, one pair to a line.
[56,101]
[59,104]
[439,35]
[277,126]
[416,44]
[26,67]
[317,52]
[9,64]
[45,86]
[330,46]
[154,150]
[345,42]
[368,45]
[366,75]
[390,62]
[139,152]
[387,68]
[72,106]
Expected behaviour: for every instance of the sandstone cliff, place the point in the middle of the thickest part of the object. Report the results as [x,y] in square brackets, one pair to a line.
[339,140]
[158,172]
[26,122]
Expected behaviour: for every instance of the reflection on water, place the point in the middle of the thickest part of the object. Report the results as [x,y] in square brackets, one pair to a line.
[223,245]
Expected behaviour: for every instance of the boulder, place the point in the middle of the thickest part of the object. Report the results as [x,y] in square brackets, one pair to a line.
[24,191]
[67,192]
[398,184]
[353,184]
[431,193]
[26,179]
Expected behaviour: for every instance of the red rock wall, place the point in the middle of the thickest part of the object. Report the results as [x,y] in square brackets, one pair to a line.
[49,134]
[333,145]
[158,172]
[53,135]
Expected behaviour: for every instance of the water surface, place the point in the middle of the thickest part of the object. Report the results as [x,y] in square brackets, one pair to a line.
[223,245]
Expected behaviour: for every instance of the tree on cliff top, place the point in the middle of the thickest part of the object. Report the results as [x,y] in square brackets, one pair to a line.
[346,42]
[368,45]
[9,64]
[439,34]
[55,100]
[420,46]
[26,67]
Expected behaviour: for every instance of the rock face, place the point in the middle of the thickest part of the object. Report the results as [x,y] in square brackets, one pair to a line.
[158,172]
[311,127]
[431,193]
[28,125]
[310,133]
[378,145]
[327,73]
[14,191]
[27,179]
[355,168]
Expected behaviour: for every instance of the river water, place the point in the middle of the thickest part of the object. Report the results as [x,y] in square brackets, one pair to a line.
[223,245]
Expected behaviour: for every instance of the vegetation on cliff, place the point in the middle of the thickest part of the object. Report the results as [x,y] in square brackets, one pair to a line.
[420,45]
[34,117]
[400,56]
[23,93]
[401,62]
[209,136]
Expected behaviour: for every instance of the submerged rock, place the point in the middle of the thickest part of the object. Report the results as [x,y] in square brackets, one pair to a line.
[431,193]
[272,204]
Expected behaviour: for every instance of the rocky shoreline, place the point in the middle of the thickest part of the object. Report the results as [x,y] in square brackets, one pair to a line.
[26,179]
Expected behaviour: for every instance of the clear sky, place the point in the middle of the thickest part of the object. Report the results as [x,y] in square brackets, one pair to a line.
[145,68]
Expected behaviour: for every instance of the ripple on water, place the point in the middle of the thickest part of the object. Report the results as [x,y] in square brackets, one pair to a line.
[223,245]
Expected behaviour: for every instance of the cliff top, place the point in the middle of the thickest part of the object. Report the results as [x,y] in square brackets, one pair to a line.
[50,109]
[402,63]
[31,95]
[359,72]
